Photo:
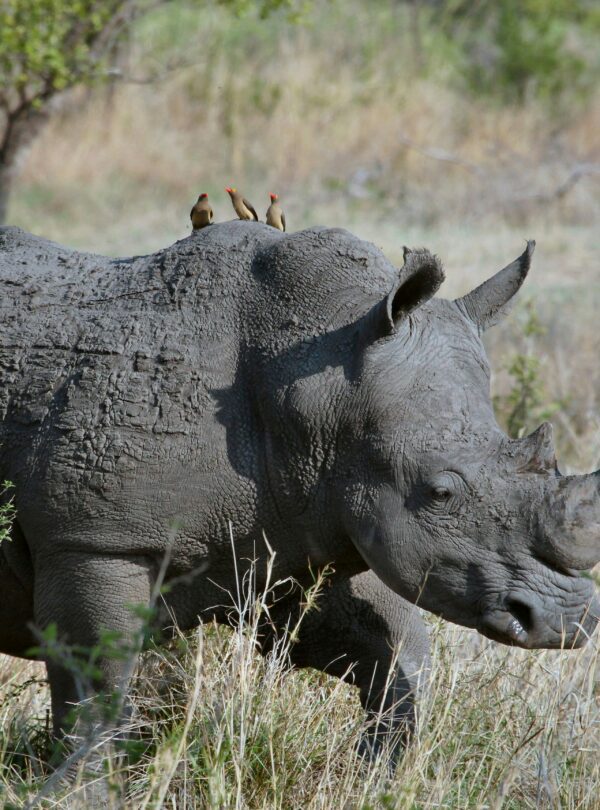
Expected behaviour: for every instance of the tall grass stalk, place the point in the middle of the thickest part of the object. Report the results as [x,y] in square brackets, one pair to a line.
[216,725]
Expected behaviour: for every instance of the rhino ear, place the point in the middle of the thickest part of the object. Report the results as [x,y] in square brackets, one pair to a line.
[488,303]
[420,278]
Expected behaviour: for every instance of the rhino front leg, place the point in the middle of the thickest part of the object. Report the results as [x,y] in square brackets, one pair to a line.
[368,635]
[91,599]
[16,596]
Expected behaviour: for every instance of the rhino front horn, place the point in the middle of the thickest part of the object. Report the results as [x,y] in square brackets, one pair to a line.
[571,523]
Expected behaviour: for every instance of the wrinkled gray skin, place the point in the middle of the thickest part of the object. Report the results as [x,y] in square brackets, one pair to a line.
[296,384]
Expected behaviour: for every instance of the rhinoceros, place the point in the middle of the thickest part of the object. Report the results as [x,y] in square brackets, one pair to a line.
[295,392]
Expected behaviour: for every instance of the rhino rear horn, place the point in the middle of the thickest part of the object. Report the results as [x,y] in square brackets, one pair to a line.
[488,303]
[537,452]
[420,278]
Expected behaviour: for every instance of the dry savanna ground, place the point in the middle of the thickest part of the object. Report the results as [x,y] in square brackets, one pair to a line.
[328,118]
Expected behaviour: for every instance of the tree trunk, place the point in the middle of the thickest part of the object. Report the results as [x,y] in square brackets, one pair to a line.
[21,126]
[5,182]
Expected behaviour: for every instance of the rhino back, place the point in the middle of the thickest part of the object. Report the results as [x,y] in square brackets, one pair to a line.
[73,322]
[108,366]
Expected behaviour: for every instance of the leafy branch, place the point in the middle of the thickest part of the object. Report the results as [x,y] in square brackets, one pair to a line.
[50,46]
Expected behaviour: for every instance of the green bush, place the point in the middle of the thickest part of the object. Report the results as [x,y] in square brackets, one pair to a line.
[523,408]
[517,49]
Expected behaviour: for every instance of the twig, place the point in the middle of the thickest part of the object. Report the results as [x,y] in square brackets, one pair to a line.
[440,154]
[165,73]
[574,176]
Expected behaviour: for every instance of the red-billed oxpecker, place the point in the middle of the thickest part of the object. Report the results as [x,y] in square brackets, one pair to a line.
[202,213]
[275,215]
[242,207]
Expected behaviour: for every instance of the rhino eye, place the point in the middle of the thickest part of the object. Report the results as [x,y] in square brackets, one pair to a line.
[445,490]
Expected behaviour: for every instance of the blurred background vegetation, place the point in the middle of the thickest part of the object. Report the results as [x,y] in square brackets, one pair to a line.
[463,126]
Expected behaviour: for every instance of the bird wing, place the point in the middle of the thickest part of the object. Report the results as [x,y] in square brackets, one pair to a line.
[250,208]
[283,220]
[192,212]
[210,215]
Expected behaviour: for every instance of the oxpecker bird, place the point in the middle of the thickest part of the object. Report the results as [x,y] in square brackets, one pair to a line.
[242,207]
[275,215]
[202,213]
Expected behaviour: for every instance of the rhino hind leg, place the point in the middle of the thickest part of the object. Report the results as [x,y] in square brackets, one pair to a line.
[366,634]
[92,601]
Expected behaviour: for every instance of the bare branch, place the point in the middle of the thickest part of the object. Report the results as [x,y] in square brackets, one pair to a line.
[441,154]
[582,170]
[105,40]
[165,72]
[579,171]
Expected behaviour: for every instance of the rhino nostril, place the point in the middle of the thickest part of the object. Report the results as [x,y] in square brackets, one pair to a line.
[522,612]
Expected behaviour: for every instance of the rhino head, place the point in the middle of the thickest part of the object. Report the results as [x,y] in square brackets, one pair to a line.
[414,470]
[449,511]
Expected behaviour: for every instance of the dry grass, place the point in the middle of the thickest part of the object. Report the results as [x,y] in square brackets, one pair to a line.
[224,728]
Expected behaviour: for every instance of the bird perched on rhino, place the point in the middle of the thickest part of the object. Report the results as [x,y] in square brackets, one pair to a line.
[275,215]
[242,207]
[202,213]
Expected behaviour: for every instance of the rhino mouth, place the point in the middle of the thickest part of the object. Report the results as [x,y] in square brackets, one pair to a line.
[519,623]
[511,625]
